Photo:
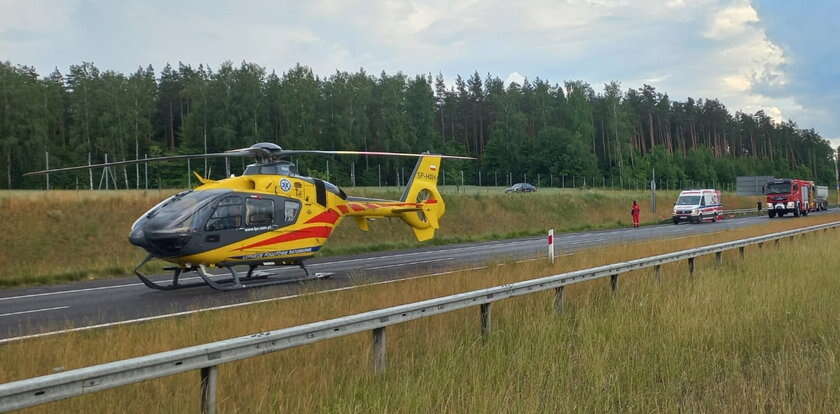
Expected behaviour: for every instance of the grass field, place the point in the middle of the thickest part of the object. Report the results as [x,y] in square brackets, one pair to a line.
[753,335]
[58,236]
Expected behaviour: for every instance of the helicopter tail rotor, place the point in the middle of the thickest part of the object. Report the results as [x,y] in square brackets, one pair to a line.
[422,190]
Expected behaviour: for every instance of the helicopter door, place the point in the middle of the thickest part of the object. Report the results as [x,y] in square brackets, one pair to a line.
[223,225]
[259,214]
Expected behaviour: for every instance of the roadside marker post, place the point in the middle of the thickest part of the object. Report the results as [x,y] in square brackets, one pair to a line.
[551,245]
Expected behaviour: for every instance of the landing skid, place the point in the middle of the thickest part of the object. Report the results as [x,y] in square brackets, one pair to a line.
[253,278]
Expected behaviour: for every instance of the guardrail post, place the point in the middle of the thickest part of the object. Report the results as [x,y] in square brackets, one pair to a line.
[760,245]
[691,266]
[741,251]
[209,376]
[719,258]
[485,320]
[614,282]
[776,242]
[559,297]
[379,356]
[657,272]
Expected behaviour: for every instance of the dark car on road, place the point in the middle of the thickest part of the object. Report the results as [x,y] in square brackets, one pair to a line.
[521,188]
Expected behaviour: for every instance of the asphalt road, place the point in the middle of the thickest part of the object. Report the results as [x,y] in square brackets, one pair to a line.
[88,304]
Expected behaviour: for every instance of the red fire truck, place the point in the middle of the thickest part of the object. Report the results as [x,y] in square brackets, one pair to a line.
[788,195]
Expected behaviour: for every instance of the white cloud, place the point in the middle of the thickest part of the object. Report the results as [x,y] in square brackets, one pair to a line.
[731,21]
[27,27]
[514,77]
[35,16]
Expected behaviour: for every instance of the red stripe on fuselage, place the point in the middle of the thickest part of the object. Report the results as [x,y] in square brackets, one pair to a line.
[307,233]
[343,209]
[356,207]
[330,217]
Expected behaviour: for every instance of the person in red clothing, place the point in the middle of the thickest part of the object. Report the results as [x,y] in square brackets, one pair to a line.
[635,213]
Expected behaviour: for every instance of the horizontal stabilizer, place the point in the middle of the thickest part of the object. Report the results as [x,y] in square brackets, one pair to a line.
[406,210]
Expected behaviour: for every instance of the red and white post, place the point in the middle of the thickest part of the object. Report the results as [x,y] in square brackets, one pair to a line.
[551,245]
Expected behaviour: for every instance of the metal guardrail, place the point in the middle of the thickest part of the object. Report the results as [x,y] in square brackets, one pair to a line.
[208,357]
[742,211]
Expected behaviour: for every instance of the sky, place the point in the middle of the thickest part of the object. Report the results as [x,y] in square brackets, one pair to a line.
[779,56]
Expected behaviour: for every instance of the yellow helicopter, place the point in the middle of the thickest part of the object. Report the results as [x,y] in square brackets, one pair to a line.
[270,215]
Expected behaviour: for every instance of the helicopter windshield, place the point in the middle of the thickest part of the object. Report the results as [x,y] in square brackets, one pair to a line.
[176,213]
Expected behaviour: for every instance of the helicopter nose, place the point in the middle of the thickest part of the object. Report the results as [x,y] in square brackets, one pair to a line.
[137,237]
[160,243]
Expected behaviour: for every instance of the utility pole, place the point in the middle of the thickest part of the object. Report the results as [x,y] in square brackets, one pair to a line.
[146,171]
[836,176]
[653,191]
[90,173]
[137,156]
[617,142]
[47,157]
[105,171]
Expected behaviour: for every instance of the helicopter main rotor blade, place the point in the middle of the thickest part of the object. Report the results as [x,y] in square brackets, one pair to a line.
[128,162]
[392,154]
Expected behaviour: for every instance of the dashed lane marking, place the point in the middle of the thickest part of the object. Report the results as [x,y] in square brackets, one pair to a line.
[409,263]
[33,311]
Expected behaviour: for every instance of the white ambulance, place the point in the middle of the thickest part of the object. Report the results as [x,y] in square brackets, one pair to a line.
[696,206]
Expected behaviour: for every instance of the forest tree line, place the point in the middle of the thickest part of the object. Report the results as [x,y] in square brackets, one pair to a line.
[519,131]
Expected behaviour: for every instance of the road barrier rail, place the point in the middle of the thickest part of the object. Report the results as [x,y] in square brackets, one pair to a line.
[208,357]
[741,211]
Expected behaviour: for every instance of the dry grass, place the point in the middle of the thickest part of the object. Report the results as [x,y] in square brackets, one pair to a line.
[756,336]
[71,235]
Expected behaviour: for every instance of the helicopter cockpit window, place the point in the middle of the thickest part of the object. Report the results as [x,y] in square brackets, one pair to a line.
[290,211]
[270,169]
[228,215]
[259,212]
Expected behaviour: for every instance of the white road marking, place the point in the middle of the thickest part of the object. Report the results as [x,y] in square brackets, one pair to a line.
[409,263]
[68,291]
[63,292]
[234,305]
[33,311]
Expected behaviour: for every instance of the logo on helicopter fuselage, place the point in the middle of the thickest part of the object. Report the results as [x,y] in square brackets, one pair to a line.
[285,185]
